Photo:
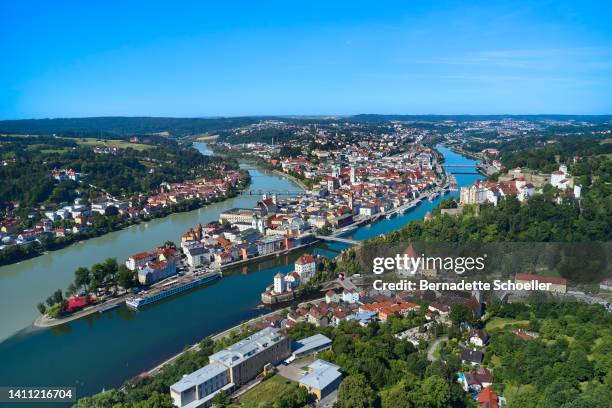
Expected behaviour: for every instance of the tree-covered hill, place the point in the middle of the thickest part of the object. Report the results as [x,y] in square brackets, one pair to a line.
[121,126]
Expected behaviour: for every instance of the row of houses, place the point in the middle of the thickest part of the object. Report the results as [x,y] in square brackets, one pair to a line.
[203,189]
[154,266]
[81,217]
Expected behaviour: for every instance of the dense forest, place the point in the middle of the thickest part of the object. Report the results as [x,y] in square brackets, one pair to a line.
[117,126]
[548,157]
[539,220]
[568,365]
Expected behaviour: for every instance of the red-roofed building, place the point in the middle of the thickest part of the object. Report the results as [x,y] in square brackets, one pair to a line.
[76,303]
[389,308]
[306,267]
[488,398]
[138,260]
[523,335]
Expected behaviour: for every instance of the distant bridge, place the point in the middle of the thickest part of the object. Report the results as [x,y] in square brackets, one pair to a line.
[272,192]
[469,168]
[337,239]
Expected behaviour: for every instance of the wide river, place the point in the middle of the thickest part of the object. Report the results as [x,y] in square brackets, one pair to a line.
[101,351]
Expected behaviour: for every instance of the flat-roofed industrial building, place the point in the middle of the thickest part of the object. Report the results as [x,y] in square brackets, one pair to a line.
[322,378]
[310,345]
[231,367]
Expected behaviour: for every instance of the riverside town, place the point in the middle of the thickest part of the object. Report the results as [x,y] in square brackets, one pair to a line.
[279,261]
[306,205]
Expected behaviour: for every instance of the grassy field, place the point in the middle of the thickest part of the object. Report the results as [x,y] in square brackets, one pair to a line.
[120,144]
[499,323]
[267,391]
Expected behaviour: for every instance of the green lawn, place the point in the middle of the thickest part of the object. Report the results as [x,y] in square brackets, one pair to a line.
[499,323]
[268,390]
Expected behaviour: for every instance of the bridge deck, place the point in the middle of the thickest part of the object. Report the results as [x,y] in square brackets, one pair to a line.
[459,165]
[337,239]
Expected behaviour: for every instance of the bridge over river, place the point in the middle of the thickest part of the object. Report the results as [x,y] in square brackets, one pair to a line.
[337,239]
[272,192]
[463,168]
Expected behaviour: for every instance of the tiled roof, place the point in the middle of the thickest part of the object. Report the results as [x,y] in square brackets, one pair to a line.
[544,279]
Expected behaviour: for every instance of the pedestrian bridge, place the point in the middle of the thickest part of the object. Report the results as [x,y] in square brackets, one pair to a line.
[337,239]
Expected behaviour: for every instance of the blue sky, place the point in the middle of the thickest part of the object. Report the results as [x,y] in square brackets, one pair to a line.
[74,59]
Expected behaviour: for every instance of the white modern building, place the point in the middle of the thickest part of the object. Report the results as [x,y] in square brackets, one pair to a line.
[241,215]
[201,386]
[231,367]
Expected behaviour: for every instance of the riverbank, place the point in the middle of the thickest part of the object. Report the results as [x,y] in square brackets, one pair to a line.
[44,321]
[222,335]
[259,163]
[296,180]
[28,282]
[34,249]
[463,152]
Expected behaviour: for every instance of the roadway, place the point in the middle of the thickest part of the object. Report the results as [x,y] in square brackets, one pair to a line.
[434,345]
